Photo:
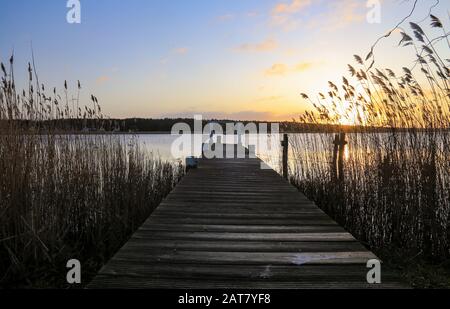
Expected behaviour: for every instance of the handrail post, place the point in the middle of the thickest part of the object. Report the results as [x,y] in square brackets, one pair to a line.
[285,146]
[342,144]
[334,168]
[337,166]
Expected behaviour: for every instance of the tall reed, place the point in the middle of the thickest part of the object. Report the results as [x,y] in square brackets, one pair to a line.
[64,195]
[396,189]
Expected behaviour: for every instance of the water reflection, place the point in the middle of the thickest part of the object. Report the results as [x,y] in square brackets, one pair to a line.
[346,153]
[268,146]
[307,151]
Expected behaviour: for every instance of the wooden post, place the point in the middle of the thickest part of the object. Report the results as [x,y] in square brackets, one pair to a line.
[285,145]
[337,166]
[342,144]
[334,168]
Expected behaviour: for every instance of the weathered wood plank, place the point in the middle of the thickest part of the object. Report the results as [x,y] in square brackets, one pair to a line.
[122,281]
[244,221]
[324,273]
[245,258]
[174,213]
[142,244]
[245,236]
[229,228]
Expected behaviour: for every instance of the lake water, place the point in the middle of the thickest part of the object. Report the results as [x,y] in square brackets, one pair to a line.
[176,148]
[268,146]
[305,149]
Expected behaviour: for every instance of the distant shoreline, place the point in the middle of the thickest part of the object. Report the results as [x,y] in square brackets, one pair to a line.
[164,126]
[224,133]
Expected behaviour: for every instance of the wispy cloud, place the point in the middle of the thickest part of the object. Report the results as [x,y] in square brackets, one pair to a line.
[180,50]
[282,14]
[270,99]
[243,115]
[303,66]
[102,79]
[281,69]
[247,115]
[290,8]
[265,46]
[331,14]
[277,69]
[352,11]
[340,14]
[225,17]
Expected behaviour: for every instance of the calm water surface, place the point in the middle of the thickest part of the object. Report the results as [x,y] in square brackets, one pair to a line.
[160,145]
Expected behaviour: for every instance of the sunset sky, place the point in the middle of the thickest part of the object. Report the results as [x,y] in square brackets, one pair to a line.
[239,59]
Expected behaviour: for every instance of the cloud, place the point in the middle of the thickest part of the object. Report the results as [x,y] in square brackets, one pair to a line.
[102,79]
[291,8]
[267,45]
[180,50]
[331,14]
[244,115]
[282,14]
[338,14]
[303,66]
[225,17]
[247,115]
[281,69]
[277,69]
[345,13]
[269,99]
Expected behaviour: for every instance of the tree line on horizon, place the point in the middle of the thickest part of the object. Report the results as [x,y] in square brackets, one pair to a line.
[165,125]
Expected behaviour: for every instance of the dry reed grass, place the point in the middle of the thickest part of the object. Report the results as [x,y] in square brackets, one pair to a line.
[62,195]
[396,191]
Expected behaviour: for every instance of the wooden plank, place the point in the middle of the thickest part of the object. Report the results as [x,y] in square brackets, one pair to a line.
[229,228]
[306,214]
[245,236]
[324,273]
[140,244]
[244,258]
[129,282]
[273,224]
[260,205]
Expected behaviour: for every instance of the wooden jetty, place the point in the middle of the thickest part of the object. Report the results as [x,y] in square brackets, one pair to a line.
[231,224]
